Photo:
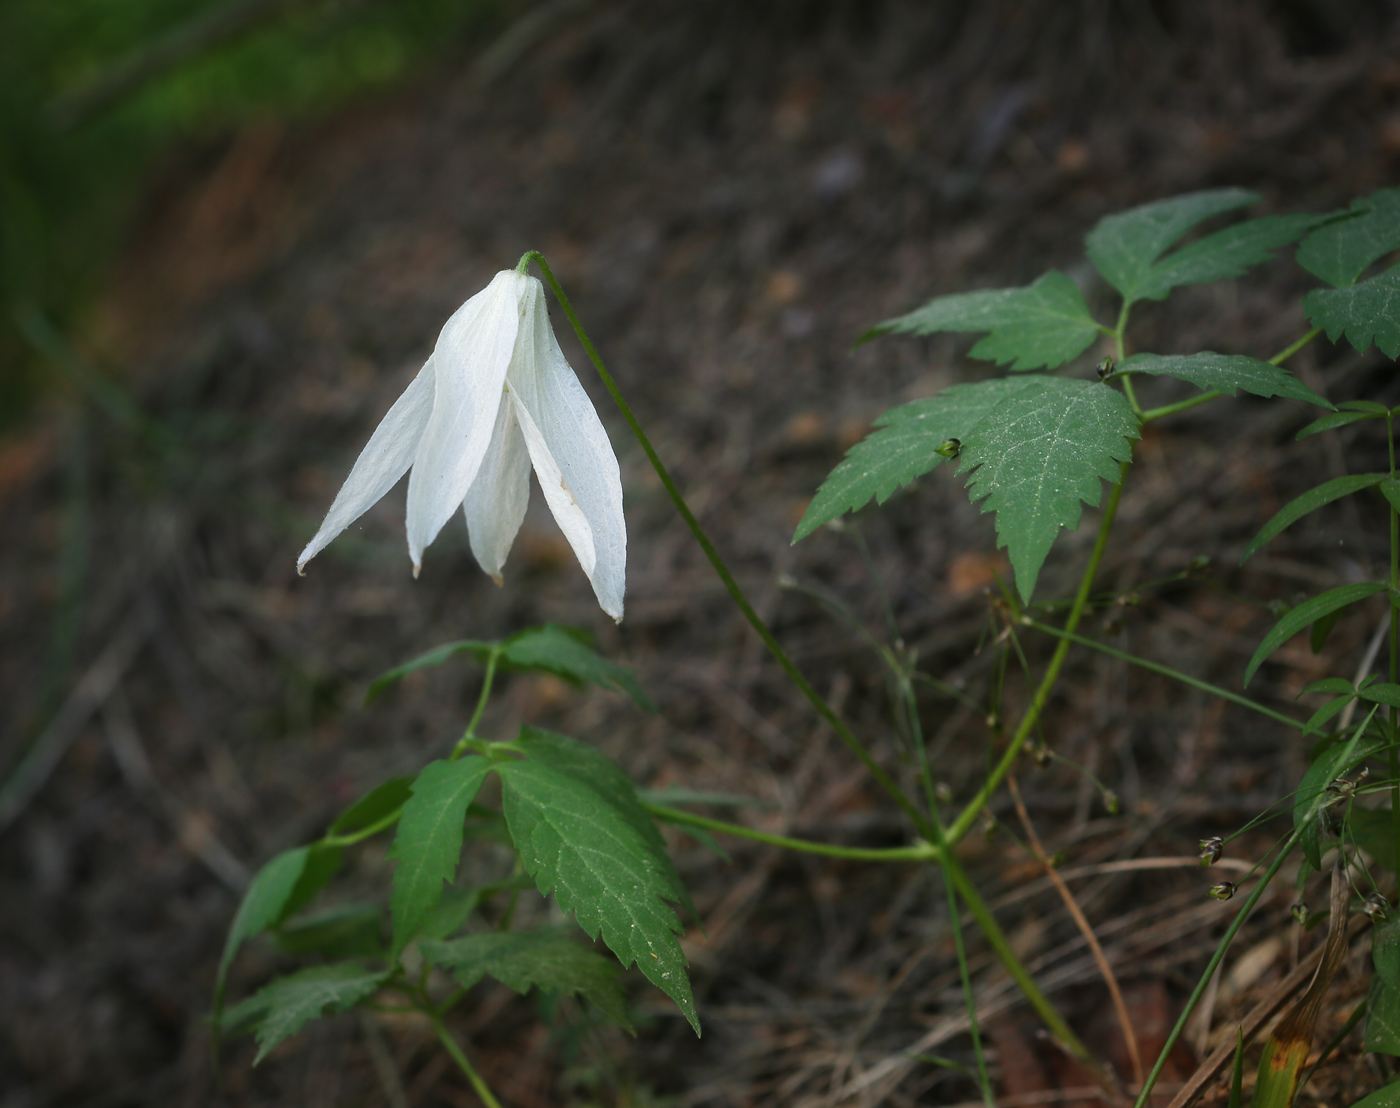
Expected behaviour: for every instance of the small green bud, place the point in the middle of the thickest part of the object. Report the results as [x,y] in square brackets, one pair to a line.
[943,792]
[1210,850]
[1110,802]
[1376,907]
[1222,891]
[1058,859]
[1300,913]
[1105,368]
[949,448]
[1198,564]
[1041,756]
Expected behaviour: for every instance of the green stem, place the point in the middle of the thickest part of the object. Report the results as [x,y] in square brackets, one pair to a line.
[363,833]
[1293,347]
[1182,405]
[450,1045]
[1210,969]
[1165,671]
[969,1001]
[470,733]
[963,823]
[921,852]
[731,586]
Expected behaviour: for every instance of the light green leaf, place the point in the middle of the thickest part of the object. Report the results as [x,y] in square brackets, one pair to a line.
[429,840]
[1123,247]
[1310,501]
[1340,250]
[1226,373]
[350,931]
[1226,253]
[1044,324]
[906,446]
[283,1007]
[1304,614]
[1383,1020]
[546,960]
[1387,1096]
[379,802]
[1365,313]
[475,647]
[576,844]
[1332,421]
[1038,455]
[566,653]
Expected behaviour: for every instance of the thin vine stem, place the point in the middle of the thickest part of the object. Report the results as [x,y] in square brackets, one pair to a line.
[469,734]
[920,852]
[449,1044]
[1213,394]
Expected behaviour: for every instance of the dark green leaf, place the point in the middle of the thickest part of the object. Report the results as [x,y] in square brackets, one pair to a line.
[1332,421]
[1326,712]
[1044,324]
[565,653]
[576,844]
[1330,601]
[1237,1073]
[1385,952]
[1382,692]
[282,1008]
[1225,373]
[1038,455]
[1312,795]
[1383,1020]
[1364,406]
[1123,247]
[542,959]
[1365,313]
[379,802]
[449,914]
[905,446]
[1332,685]
[1371,830]
[1387,1096]
[1226,253]
[1340,250]
[429,840]
[1317,635]
[351,931]
[1391,491]
[1310,501]
[435,657]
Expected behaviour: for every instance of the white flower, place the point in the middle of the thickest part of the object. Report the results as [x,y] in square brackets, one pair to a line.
[495,397]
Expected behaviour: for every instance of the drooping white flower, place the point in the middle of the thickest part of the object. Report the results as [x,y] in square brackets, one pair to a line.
[495,398]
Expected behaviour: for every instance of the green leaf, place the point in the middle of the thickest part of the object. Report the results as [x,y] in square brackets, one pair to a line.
[576,844]
[1365,313]
[906,446]
[1317,635]
[1371,830]
[1312,797]
[381,801]
[1038,455]
[1390,489]
[1330,601]
[1123,247]
[542,959]
[1310,501]
[1365,406]
[1044,324]
[1226,373]
[1340,250]
[1326,712]
[283,1007]
[449,914]
[350,931]
[1382,692]
[429,840]
[1383,1020]
[1332,685]
[1237,1073]
[475,647]
[565,652]
[1385,952]
[1332,421]
[1387,1096]
[1226,253]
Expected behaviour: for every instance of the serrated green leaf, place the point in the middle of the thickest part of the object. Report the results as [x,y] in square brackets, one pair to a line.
[1340,250]
[1383,1020]
[429,840]
[381,801]
[1390,489]
[546,960]
[1326,712]
[1042,325]
[565,652]
[1387,1096]
[1331,685]
[906,447]
[1310,501]
[1123,247]
[350,931]
[1038,455]
[1225,373]
[1332,421]
[475,647]
[1364,313]
[1294,621]
[1226,253]
[1385,952]
[283,1007]
[591,766]
[577,845]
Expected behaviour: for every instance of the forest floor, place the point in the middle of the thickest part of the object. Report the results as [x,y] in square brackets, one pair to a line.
[731,193]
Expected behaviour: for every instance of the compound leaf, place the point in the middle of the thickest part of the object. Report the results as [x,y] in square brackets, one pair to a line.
[576,844]
[1365,313]
[429,840]
[283,1007]
[1340,250]
[546,960]
[905,447]
[1310,501]
[1038,455]
[1124,247]
[1043,324]
[1224,373]
[1306,613]
[566,653]
[1226,253]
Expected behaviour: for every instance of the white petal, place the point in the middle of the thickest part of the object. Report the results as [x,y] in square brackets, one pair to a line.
[573,439]
[557,494]
[495,504]
[471,358]
[385,458]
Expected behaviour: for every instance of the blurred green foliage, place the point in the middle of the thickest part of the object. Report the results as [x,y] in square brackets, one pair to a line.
[93,91]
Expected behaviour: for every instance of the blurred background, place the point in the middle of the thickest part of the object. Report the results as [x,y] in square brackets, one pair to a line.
[229,233]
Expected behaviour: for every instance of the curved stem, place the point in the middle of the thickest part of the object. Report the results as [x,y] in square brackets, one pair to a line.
[731,586]
[469,734]
[1182,405]
[363,833]
[921,852]
[455,1052]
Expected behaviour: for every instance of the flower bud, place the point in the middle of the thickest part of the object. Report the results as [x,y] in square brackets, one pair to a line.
[948,448]
[1210,850]
[1105,369]
[1376,907]
[1041,756]
[1300,913]
[1110,802]
[1222,891]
